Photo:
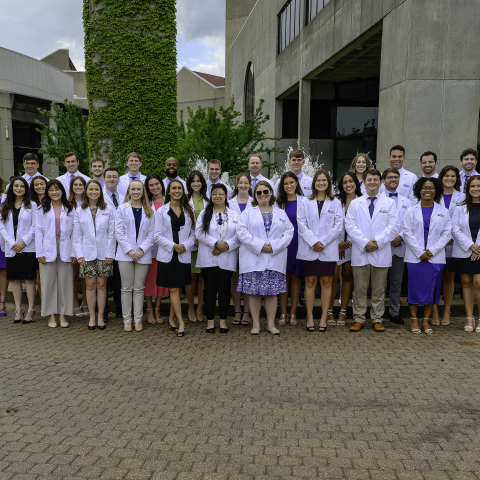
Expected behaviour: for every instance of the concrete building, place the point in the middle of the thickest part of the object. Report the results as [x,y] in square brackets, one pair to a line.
[341,76]
[25,85]
[196,89]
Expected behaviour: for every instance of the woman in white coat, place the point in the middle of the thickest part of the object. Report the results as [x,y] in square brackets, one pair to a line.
[94,247]
[320,222]
[240,200]
[426,231]
[134,221]
[265,234]
[360,165]
[53,245]
[290,196]
[466,248]
[216,231]
[3,264]
[17,226]
[175,239]
[452,196]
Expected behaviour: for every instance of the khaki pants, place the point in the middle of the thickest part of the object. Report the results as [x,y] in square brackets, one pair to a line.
[362,276]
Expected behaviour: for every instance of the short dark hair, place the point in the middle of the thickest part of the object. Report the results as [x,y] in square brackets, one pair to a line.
[97,159]
[372,171]
[70,154]
[397,147]
[111,169]
[428,154]
[458,183]
[296,154]
[469,151]
[417,188]
[388,170]
[30,156]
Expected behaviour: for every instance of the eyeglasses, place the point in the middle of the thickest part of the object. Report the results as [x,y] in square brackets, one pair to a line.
[263,192]
[395,177]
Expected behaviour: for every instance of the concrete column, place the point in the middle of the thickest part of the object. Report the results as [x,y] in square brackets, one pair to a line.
[6,145]
[49,167]
[304,99]
[429,81]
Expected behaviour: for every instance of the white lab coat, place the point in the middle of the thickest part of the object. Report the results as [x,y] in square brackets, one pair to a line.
[66,180]
[324,228]
[251,232]
[25,230]
[192,205]
[126,234]
[45,237]
[93,245]
[462,236]
[405,186]
[108,200]
[163,236]
[259,179]
[233,204]
[403,204]
[209,188]
[226,260]
[122,186]
[2,240]
[457,197]
[382,228]
[166,181]
[305,183]
[439,234]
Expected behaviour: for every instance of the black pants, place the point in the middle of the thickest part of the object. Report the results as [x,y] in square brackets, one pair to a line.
[115,283]
[216,281]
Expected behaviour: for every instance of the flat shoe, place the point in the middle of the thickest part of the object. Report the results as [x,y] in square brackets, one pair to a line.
[64,324]
[293,320]
[283,319]
[138,326]
[274,331]
[52,325]
[254,331]
[127,327]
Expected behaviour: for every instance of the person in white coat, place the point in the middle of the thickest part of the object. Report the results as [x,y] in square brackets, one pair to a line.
[391,179]
[171,171]
[265,234]
[296,161]
[348,190]
[216,231]
[452,196]
[426,231]
[407,179]
[175,239]
[429,164]
[371,224]
[240,200]
[468,160]
[134,222]
[289,199]
[255,168]
[53,245]
[134,163]
[94,247]
[360,165]
[214,169]
[71,163]
[320,221]
[17,226]
[3,264]
[466,248]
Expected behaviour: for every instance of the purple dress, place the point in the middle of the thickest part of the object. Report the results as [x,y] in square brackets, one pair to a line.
[268,282]
[425,278]
[294,265]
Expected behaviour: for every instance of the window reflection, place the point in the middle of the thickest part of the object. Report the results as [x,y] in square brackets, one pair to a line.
[289,23]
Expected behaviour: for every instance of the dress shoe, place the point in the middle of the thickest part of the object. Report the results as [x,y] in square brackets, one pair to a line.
[223,330]
[210,330]
[397,319]
[92,327]
[378,327]
[356,327]
[101,327]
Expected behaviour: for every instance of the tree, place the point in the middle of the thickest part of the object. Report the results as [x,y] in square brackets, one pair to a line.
[70,135]
[209,134]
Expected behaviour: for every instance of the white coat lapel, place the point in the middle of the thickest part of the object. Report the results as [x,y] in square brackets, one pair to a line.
[365,202]
[379,205]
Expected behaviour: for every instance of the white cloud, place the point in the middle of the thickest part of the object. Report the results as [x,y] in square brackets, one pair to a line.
[215,56]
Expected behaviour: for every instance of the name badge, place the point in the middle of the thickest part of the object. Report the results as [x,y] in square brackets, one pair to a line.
[406,186]
[383,211]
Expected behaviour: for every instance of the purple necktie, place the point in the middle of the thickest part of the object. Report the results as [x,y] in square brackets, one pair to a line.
[371,207]
[466,181]
[72,177]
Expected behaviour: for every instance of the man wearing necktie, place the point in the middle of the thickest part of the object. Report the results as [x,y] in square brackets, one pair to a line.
[71,163]
[391,179]
[468,159]
[134,163]
[371,224]
[255,167]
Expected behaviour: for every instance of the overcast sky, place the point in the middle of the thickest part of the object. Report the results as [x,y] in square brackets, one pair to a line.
[39,27]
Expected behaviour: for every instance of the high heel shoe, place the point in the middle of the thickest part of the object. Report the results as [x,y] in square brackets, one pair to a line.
[311,329]
[469,328]
[20,312]
[92,327]
[30,315]
[322,329]
[169,325]
[210,330]
[237,322]
[3,310]
[416,331]
[331,322]
[427,330]
[293,320]
[283,319]
[342,323]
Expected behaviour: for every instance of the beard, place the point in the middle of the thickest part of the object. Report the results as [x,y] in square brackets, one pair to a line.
[171,175]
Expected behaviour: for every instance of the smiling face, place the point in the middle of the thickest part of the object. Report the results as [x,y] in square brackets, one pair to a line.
[31,167]
[55,193]
[289,185]
[71,163]
[372,184]
[255,166]
[321,183]
[243,184]
[171,168]
[176,191]
[263,195]
[93,191]
[98,169]
[78,188]
[111,180]
[136,190]
[196,184]
[296,164]
[469,162]
[396,159]
[391,181]
[18,188]
[474,189]
[428,191]
[450,179]
[218,197]
[155,187]
[348,184]
[39,187]
[428,165]
[214,172]
[360,165]
[134,164]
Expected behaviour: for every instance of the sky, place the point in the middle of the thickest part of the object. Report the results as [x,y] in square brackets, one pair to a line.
[39,27]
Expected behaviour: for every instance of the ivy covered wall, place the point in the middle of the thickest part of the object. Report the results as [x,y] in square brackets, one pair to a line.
[130,62]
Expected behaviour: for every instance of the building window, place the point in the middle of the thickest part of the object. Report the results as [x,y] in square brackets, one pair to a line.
[249,107]
[289,23]
[314,7]
[290,119]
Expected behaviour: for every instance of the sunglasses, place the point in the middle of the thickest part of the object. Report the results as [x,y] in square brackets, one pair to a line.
[263,192]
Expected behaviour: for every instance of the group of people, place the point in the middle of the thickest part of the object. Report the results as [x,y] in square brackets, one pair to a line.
[148,237]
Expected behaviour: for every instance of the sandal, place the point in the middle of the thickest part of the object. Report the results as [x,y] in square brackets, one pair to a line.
[19,313]
[293,320]
[445,323]
[468,328]
[30,316]
[414,330]
[245,322]
[311,329]
[180,334]
[283,319]
[148,320]
[3,311]
[78,312]
[331,321]
[235,321]
[342,323]
[427,330]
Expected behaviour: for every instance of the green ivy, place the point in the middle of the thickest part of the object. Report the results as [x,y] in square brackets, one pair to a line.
[130,63]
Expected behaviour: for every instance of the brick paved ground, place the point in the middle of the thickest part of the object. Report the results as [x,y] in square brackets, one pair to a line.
[148,405]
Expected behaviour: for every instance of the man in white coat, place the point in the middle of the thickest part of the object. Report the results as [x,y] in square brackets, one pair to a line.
[296,162]
[30,164]
[255,168]
[391,179]
[171,170]
[134,162]
[371,224]
[407,179]
[71,163]
[429,164]
[468,159]
[214,169]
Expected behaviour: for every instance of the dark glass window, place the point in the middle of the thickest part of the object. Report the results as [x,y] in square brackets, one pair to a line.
[322,116]
[26,139]
[314,7]
[290,119]
[289,23]
[249,107]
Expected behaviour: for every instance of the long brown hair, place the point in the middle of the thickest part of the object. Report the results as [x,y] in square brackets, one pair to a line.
[282,200]
[354,162]
[328,193]
[468,198]
[145,202]
[265,184]
[9,203]
[239,176]
[184,201]
[100,202]
[71,197]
